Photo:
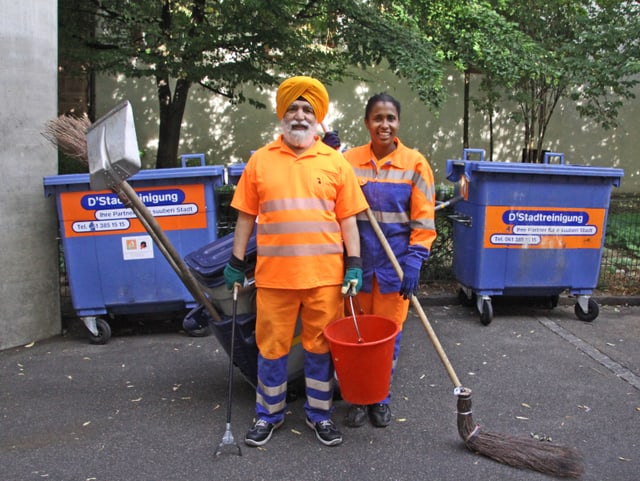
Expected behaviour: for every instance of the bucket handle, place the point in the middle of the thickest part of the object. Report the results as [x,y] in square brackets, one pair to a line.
[355,321]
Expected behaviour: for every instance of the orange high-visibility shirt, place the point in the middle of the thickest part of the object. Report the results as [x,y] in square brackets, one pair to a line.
[298,201]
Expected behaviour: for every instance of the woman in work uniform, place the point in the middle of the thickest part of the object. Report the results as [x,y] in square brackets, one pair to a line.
[399,186]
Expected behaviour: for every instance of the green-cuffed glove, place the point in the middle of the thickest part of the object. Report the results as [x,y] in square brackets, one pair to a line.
[352,276]
[234,272]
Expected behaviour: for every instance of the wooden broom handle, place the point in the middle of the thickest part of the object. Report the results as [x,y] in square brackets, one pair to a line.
[166,247]
[414,301]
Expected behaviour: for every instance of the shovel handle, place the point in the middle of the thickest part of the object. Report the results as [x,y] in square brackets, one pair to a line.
[414,302]
[168,250]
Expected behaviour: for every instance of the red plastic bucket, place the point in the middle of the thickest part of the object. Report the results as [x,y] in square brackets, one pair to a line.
[363,369]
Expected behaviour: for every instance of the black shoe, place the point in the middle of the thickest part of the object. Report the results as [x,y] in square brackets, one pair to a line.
[326,432]
[261,432]
[356,416]
[380,415]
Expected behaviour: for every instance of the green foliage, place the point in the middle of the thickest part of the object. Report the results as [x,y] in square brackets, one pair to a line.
[622,230]
[69,165]
[227,46]
[530,52]
[583,51]
[535,52]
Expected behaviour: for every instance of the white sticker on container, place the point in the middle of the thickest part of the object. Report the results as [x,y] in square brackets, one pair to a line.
[137,247]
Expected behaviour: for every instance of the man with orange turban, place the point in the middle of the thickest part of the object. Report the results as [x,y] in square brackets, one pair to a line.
[302,198]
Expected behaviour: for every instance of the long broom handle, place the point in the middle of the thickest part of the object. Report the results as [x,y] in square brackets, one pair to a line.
[153,228]
[414,301]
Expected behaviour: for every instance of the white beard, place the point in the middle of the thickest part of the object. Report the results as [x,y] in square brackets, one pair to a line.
[298,138]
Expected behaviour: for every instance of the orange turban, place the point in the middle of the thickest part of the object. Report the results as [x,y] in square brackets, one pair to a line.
[308,88]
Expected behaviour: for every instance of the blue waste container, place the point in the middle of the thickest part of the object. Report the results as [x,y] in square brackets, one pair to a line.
[529,230]
[234,172]
[112,263]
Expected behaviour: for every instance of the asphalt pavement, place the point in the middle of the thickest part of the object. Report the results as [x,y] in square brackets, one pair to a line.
[150,405]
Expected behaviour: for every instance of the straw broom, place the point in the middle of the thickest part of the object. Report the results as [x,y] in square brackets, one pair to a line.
[519,452]
[68,134]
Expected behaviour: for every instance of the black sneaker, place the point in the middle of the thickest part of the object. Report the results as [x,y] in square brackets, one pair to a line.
[356,416]
[326,432]
[380,415]
[261,432]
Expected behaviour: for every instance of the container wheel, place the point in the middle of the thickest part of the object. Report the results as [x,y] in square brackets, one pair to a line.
[553,301]
[593,311]
[464,299]
[486,316]
[104,332]
[199,331]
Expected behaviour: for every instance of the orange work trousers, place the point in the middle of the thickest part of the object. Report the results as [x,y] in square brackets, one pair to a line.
[277,315]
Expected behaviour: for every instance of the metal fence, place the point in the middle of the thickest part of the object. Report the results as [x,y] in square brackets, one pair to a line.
[620,265]
[619,269]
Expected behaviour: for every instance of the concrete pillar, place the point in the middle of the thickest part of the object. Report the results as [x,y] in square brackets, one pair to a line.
[29,292]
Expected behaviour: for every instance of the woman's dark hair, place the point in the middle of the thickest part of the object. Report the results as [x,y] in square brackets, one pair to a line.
[381,97]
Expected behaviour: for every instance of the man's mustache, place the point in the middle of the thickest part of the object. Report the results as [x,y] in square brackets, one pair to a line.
[296,123]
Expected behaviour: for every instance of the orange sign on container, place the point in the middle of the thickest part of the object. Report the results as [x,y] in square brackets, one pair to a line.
[543,228]
[95,213]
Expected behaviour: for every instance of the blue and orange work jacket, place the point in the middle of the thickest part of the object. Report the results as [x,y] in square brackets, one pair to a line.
[400,190]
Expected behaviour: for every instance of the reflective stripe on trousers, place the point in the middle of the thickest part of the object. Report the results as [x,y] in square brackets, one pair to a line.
[318,379]
[271,392]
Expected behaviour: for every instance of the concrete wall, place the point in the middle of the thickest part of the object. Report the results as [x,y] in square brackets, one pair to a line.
[29,296]
[227,133]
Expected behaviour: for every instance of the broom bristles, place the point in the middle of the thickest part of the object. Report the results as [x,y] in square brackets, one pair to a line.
[526,453]
[519,452]
[68,134]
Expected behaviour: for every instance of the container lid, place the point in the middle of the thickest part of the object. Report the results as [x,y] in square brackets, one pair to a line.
[209,260]
[147,174]
[236,168]
[457,168]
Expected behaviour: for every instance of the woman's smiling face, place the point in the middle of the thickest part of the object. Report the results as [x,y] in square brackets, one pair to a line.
[383,123]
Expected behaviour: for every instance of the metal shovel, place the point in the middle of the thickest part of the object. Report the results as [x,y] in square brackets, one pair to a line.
[113,157]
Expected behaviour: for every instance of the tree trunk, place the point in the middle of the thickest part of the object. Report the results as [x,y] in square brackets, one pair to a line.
[171,114]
